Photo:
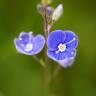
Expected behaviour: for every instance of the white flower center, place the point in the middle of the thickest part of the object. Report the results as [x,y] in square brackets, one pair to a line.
[28,47]
[61,47]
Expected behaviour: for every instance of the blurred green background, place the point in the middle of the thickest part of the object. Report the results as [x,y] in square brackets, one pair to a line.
[21,75]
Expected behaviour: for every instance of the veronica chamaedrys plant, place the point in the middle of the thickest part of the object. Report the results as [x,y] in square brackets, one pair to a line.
[62,46]
[27,44]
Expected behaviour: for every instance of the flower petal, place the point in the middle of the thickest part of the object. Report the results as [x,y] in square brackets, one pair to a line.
[20,48]
[38,44]
[71,53]
[71,40]
[55,38]
[61,55]
[66,62]
[25,37]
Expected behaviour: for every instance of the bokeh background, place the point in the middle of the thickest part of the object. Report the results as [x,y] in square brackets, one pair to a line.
[21,75]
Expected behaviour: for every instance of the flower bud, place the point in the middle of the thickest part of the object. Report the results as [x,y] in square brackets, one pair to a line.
[57,12]
[46,2]
[41,9]
[49,11]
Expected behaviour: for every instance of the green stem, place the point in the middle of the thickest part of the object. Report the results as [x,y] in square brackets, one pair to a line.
[54,79]
[57,71]
[36,58]
[39,60]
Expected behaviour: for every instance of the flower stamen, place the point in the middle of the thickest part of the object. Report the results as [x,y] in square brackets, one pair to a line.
[28,47]
[71,41]
[61,48]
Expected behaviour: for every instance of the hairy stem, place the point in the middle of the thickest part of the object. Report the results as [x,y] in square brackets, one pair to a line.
[46,23]
[46,69]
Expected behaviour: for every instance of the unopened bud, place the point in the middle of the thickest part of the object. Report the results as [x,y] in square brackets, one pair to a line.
[57,12]
[46,2]
[49,11]
[41,9]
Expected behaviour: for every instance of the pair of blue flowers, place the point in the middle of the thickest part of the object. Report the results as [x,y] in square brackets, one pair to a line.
[61,45]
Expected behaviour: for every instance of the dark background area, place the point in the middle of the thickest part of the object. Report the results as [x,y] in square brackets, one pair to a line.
[21,75]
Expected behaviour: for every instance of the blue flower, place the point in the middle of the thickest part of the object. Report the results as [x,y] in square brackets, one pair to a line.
[61,45]
[27,44]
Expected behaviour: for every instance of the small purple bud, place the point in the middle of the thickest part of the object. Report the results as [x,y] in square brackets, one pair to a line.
[49,11]
[41,9]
